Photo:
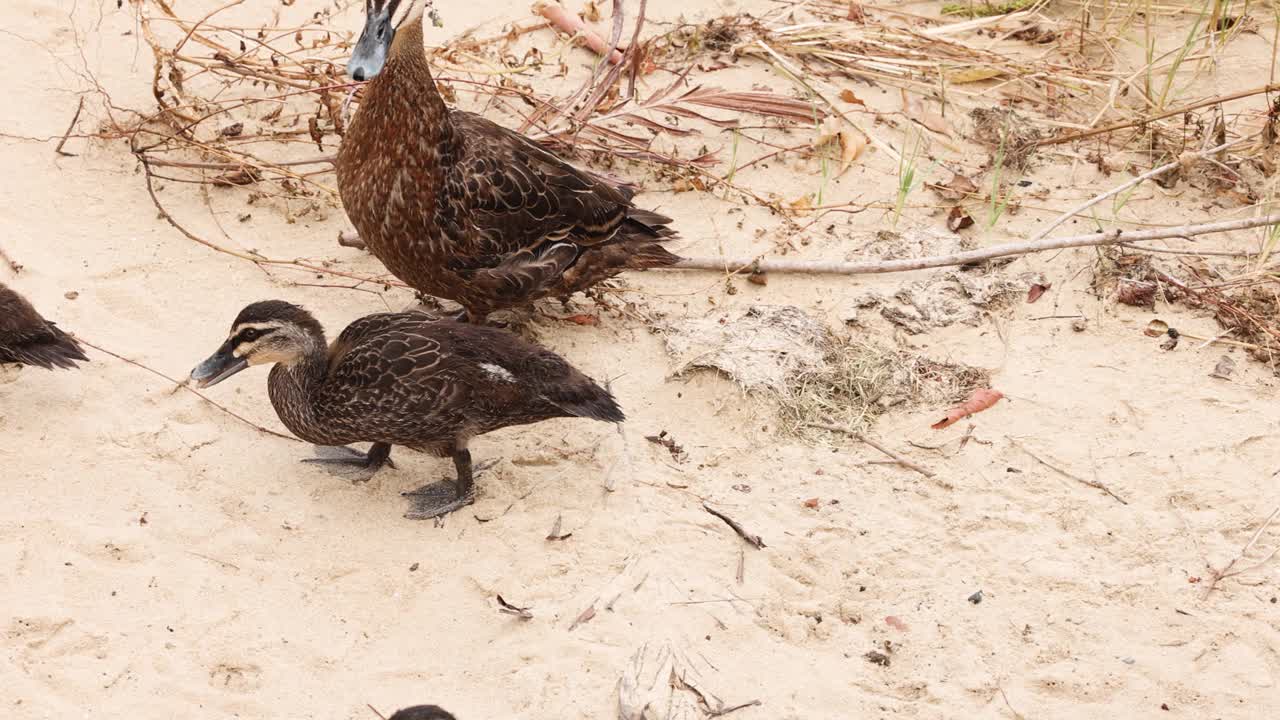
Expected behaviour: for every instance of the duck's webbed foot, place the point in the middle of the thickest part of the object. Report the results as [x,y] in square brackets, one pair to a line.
[346,459]
[444,497]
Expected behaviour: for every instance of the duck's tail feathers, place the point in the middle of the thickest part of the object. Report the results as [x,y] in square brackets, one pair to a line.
[587,400]
[50,349]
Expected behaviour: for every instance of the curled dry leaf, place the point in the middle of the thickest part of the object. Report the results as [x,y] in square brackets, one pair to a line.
[956,189]
[851,141]
[958,219]
[1138,293]
[1036,290]
[1156,328]
[1224,368]
[980,400]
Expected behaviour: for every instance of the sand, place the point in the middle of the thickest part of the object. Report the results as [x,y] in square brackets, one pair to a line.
[162,559]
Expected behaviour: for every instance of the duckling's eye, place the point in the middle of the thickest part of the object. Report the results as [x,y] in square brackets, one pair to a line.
[250,335]
[382,31]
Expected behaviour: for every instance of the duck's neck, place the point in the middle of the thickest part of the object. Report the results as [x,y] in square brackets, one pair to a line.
[291,386]
[408,74]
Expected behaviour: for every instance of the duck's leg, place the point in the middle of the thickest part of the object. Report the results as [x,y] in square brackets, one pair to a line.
[444,497]
[379,454]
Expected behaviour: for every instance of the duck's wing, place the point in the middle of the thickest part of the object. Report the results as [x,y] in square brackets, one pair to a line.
[515,196]
[383,367]
[27,338]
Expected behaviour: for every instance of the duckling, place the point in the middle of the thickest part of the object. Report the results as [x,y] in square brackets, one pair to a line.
[423,712]
[28,339]
[403,379]
[461,208]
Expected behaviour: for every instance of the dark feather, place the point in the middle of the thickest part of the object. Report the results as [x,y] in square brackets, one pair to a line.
[29,339]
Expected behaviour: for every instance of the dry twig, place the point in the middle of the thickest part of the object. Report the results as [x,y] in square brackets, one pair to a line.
[751,538]
[1091,483]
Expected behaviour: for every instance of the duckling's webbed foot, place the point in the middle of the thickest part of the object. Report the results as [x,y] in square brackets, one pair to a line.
[442,498]
[346,458]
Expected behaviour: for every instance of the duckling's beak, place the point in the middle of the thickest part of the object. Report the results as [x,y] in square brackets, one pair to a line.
[371,50]
[220,366]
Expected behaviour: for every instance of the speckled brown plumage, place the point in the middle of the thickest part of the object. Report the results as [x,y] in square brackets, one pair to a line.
[423,712]
[461,208]
[29,339]
[403,379]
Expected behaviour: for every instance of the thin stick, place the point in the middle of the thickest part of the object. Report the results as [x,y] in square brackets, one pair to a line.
[860,437]
[1022,247]
[1091,483]
[1152,118]
[1226,572]
[74,119]
[751,538]
[374,710]
[189,389]
[14,265]
[1044,232]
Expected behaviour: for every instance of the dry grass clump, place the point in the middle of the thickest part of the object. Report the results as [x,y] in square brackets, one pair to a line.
[861,380]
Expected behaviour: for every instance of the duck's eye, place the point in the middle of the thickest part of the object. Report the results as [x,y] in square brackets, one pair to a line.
[250,335]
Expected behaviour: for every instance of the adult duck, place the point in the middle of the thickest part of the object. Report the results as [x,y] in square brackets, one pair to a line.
[27,338]
[403,379]
[461,208]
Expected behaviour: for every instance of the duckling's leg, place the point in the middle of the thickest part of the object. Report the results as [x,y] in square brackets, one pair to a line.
[444,497]
[379,454]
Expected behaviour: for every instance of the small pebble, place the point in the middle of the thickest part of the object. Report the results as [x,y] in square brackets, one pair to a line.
[71,294]
[976,597]
[1128,660]
[413,567]
[1079,324]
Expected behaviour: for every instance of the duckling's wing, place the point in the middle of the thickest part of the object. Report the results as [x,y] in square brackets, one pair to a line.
[27,338]
[517,196]
[384,366]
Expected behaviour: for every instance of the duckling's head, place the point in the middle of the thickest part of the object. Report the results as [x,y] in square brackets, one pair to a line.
[423,712]
[271,331]
[382,19]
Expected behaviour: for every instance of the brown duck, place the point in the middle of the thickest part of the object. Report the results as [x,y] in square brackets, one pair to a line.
[461,208]
[28,339]
[403,379]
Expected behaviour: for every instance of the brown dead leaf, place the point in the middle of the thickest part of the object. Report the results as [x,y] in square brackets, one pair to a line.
[1139,293]
[981,399]
[584,319]
[1036,291]
[851,141]
[958,219]
[896,623]
[244,176]
[812,503]
[956,189]
[916,109]
[848,96]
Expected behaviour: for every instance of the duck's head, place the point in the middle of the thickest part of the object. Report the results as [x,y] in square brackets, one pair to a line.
[382,19]
[423,712]
[272,331]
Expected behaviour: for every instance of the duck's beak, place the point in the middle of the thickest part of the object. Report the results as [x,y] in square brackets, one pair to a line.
[220,366]
[371,50]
